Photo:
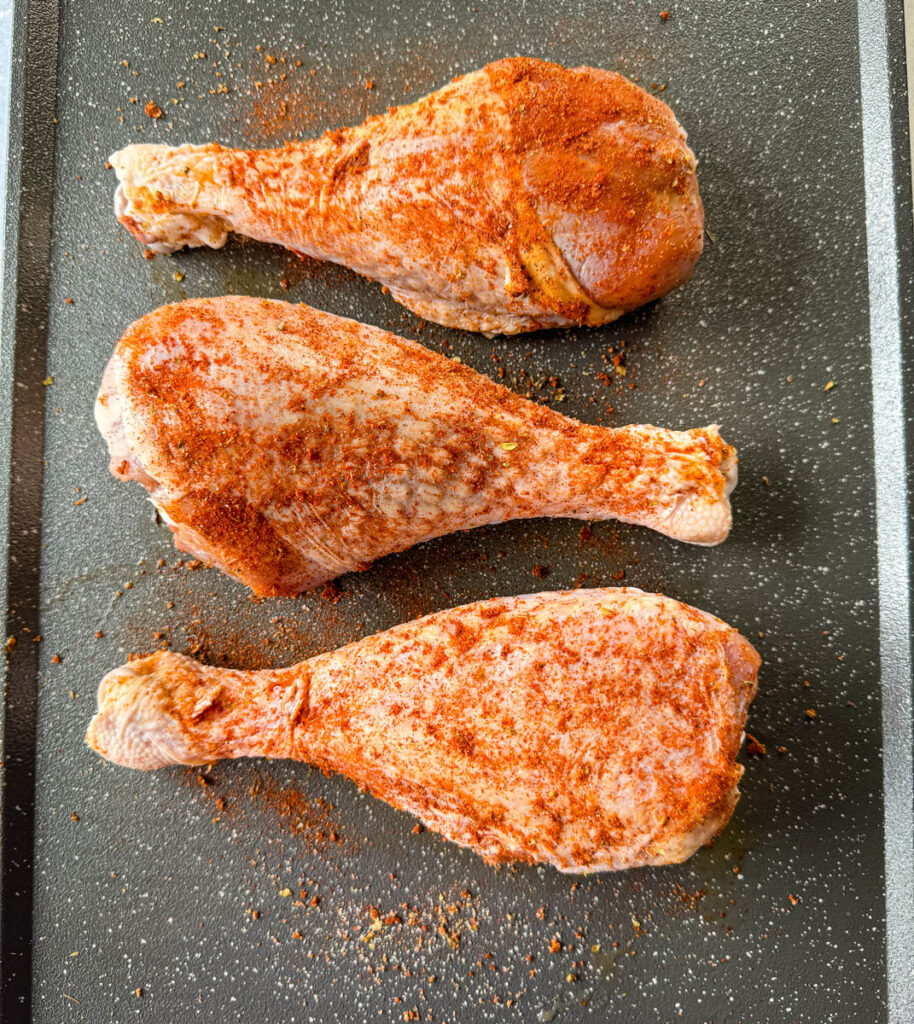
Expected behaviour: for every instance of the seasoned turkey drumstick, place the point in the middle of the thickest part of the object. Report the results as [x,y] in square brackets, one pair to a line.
[592,729]
[524,195]
[288,446]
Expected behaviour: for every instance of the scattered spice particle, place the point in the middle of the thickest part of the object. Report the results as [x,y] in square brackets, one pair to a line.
[55,659]
[178,275]
[540,571]
[664,15]
[99,634]
[285,893]
[152,110]
[48,381]
[74,817]
[139,993]
[810,712]
[81,501]
[754,748]
[793,900]
[10,644]
[555,946]
[829,385]
[68,301]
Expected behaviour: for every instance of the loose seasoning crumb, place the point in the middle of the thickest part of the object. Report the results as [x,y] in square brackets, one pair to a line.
[139,993]
[10,644]
[664,15]
[754,748]
[829,385]
[55,659]
[285,893]
[148,254]
[48,381]
[810,712]
[152,110]
[81,501]
[555,946]
[74,817]
[178,275]
[793,900]
[99,634]
[540,571]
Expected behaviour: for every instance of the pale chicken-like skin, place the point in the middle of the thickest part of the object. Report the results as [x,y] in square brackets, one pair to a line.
[521,196]
[592,730]
[288,446]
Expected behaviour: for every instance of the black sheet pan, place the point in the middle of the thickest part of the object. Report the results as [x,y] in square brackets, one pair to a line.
[163,896]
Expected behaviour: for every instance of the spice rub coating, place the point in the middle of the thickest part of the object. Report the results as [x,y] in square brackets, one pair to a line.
[521,196]
[592,730]
[288,446]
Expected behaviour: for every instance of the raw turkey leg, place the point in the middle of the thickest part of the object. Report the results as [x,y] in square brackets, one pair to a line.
[288,446]
[591,729]
[524,195]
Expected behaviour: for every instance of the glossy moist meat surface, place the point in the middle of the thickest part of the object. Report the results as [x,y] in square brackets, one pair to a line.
[524,195]
[590,729]
[288,446]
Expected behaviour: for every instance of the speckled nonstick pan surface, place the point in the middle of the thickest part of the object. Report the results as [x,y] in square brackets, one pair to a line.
[246,892]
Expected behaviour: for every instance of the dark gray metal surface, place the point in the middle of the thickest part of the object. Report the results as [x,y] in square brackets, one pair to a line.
[175,886]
